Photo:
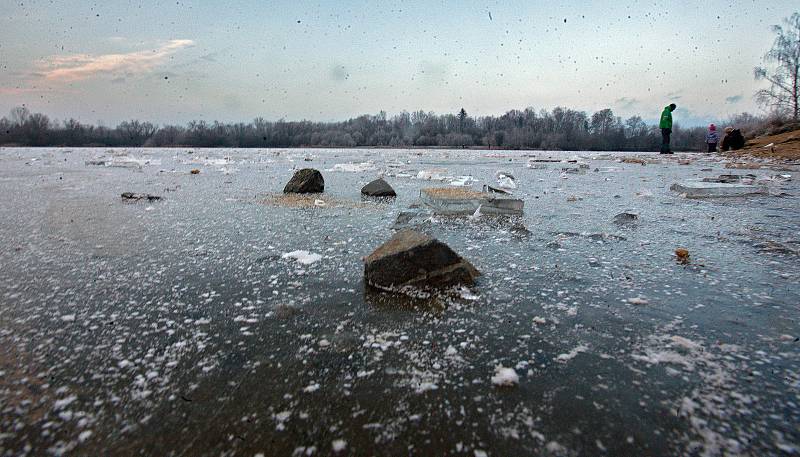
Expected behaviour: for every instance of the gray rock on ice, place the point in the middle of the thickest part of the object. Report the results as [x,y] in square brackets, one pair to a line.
[132,196]
[378,188]
[414,259]
[305,181]
[625,218]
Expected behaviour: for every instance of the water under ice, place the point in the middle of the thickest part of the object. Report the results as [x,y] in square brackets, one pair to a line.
[183,329]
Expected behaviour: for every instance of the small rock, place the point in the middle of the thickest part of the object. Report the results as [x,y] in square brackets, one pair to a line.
[682,255]
[131,196]
[195,171]
[412,258]
[286,311]
[378,188]
[625,218]
[305,181]
[634,160]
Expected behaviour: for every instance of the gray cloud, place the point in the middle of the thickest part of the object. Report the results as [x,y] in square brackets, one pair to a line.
[626,103]
[675,95]
[734,99]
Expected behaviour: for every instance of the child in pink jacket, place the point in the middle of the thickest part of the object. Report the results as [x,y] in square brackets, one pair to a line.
[712,138]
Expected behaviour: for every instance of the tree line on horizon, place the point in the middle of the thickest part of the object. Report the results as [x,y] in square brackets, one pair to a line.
[558,129]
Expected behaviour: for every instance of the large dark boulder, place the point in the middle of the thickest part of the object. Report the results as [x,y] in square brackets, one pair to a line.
[412,258]
[378,188]
[305,181]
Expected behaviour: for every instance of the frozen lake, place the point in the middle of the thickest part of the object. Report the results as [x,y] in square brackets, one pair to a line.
[177,327]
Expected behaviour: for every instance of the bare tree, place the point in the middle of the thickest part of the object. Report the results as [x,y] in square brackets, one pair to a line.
[783,95]
[19,114]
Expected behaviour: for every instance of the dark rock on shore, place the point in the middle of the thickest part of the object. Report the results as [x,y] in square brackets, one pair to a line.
[378,188]
[305,181]
[414,259]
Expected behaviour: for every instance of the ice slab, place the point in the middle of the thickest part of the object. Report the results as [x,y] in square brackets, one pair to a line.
[460,201]
[700,189]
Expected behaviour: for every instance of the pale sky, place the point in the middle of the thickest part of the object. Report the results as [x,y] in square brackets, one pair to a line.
[171,62]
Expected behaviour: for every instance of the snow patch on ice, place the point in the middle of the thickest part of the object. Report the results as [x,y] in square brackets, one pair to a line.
[505,376]
[302,257]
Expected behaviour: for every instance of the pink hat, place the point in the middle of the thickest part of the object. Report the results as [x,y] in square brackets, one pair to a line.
[712,127]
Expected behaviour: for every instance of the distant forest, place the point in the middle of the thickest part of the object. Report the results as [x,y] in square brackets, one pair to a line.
[559,129]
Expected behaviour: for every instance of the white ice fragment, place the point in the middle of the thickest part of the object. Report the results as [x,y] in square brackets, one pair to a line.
[302,257]
[564,358]
[477,214]
[338,445]
[64,402]
[506,181]
[353,167]
[435,174]
[505,376]
[462,181]
[637,301]
[311,388]
[68,317]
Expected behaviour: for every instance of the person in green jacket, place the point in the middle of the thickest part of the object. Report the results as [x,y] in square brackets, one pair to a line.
[666,127]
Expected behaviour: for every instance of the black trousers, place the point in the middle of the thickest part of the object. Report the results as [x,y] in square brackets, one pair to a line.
[712,147]
[665,133]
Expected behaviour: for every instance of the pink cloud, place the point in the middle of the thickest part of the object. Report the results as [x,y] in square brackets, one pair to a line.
[77,67]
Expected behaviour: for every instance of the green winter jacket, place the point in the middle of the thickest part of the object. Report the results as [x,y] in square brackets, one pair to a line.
[666,119]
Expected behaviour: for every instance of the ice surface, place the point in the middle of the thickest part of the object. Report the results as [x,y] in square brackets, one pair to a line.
[183,330]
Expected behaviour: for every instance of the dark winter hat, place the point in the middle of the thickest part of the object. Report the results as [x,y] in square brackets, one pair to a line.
[672,106]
